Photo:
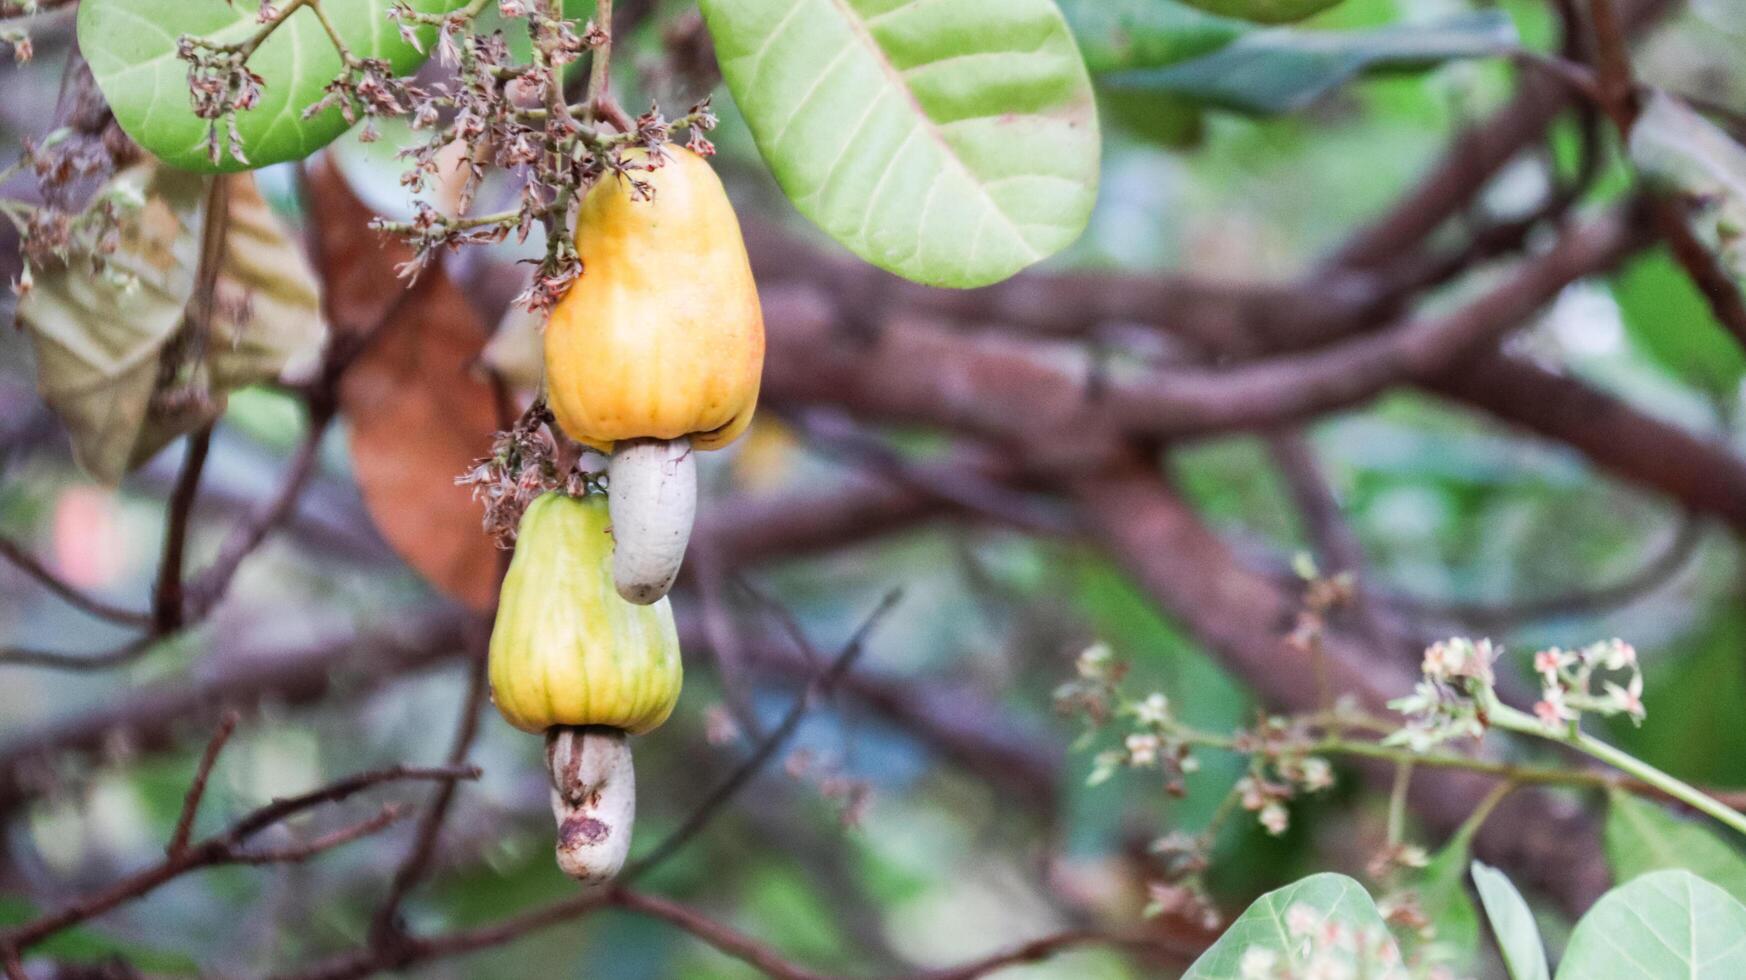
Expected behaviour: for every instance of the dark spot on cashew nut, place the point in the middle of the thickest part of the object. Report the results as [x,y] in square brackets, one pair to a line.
[585,830]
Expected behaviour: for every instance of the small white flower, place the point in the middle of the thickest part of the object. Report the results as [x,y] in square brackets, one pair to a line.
[1094,660]
[1155,710]
[1302,920]
[1142,749]
[1317,774]
[1619,655]
[1258,963]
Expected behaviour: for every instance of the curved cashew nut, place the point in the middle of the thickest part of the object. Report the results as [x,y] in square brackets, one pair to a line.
[652,497]
[594,799]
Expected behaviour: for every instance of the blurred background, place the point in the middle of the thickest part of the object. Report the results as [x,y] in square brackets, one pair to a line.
[934,806]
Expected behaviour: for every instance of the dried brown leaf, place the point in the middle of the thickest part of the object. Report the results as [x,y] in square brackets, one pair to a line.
[418,408]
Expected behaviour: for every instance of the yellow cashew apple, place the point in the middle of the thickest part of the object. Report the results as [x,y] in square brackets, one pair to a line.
[656,350]
[661,336]
[566,649]
[569,657]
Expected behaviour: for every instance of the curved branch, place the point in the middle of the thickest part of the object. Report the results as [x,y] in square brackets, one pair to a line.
[68,593]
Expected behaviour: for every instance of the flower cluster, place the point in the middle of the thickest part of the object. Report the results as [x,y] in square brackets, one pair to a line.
[367,88]
[1568,679]
[493,112]
[1280,767]
[220,85]
[1281,763]
[1095,689]
[1450,700]
[1152,742]
[523,465]
[1453,698]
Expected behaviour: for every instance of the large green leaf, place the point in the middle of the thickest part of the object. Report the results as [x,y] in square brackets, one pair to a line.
[1283,69]
[131,45]
[1265,11]
[1642,837]
[1121,34]
[953,142]
[1273,930]
[1518,938]
[1665,925]
[1666,316]
[1673,144]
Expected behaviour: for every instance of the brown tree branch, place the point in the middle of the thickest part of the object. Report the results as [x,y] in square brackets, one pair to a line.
[227,847]
[1702,473]
[387,926]
[152,718]
[197,789]
[730,941]
[1028,393]
[167,593]
[712,804]
[1473,160]
[214,582]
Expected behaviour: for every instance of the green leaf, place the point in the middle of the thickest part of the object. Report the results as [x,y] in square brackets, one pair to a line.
[1281,70]
[1443,898]
[1668,317]
[131,45]
[1641,837]
[1665,925]
[953,142]
[1518,937]
[1286,927]
[1162,119]
[1673,144]
[1121,34]
[1265,11]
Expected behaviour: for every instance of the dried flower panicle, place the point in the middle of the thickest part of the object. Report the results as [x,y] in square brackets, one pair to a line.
[523,465]
[510,116]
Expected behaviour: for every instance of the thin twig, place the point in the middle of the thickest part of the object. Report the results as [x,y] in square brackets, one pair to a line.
[1336,544]
[127,652]
[710,808]
[197,789]
[387,927]
[1490,617]
[728,940]
[390,814]
[1038,950]
[214,581]
[223,848]
[72,595]
[167,606]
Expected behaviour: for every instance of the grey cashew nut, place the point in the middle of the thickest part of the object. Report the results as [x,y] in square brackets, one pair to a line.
[594,799]
[652,497]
